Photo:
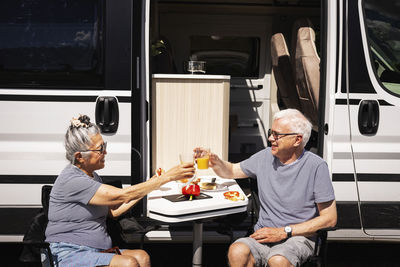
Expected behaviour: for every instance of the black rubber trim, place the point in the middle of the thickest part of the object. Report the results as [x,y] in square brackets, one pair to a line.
[366,177]
[343,101]
[348,215]
[57,98]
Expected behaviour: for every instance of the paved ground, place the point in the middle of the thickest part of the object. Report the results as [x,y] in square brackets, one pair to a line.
[179,255]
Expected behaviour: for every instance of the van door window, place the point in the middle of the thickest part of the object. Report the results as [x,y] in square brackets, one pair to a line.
[51,43]
[226,55]
[383,31]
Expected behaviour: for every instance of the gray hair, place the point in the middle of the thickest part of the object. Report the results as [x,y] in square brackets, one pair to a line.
[296,121]
[78,136]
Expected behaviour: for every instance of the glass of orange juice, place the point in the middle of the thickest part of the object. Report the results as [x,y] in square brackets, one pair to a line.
[202,161]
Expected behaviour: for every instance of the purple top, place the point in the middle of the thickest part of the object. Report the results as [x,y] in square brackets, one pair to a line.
[71,218]
[288,193]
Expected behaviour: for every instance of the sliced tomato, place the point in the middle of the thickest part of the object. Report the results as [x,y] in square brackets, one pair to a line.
[230,194]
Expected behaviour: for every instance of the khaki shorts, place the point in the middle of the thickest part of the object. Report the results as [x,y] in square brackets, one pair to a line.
[296,249]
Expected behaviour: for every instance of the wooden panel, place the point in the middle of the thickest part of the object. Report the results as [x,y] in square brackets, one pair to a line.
[187,113]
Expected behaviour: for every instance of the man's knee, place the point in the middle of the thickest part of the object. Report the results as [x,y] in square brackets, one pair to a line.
[238,249]
[279,260]
[239,254]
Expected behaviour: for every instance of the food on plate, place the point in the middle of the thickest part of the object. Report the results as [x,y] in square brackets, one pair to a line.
[208,186]
[233,195]
[183,180]
[191,190]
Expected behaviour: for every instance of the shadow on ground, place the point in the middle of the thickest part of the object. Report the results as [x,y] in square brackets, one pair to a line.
[214,255]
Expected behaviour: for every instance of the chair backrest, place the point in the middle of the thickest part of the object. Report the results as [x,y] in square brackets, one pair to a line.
[34,238]
[283,72]
[307,72]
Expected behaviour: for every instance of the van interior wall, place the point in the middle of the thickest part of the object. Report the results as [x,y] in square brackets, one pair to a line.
[251,105]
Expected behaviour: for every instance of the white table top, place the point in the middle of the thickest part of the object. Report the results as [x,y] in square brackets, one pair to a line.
[162,209]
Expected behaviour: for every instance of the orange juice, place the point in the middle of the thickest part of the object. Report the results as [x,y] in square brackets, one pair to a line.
[202,163]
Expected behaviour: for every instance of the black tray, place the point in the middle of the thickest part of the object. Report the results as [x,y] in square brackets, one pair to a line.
[180,197]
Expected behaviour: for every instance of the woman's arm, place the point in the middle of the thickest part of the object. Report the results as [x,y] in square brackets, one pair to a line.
[108,195]
[117,211]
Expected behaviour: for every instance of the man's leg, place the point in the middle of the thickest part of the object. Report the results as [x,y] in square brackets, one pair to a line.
[279,261]
[239,255]
[293,252]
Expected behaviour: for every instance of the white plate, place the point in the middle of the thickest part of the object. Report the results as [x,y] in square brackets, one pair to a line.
[219,188]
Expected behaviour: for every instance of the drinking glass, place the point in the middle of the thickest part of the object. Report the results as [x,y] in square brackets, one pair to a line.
[203,160]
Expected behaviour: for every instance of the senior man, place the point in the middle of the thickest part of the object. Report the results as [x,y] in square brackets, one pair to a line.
[295,191]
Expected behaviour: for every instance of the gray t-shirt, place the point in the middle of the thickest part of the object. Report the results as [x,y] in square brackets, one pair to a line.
[71,218]
[288,193]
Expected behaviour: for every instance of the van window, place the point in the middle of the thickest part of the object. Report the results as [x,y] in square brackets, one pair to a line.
[51,43]
[383,31]
[226,55]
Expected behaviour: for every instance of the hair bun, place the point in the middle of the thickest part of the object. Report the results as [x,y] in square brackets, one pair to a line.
[81,121]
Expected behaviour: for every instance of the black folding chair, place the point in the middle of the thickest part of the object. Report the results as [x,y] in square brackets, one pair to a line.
[34,237]
[122,231]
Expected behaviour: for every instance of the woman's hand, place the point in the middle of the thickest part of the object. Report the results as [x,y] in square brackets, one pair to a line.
[182,171]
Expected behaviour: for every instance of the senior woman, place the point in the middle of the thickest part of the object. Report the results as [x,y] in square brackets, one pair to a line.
[79,202]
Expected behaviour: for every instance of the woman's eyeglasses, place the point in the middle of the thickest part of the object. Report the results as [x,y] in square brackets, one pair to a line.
[277,135]
[103,147]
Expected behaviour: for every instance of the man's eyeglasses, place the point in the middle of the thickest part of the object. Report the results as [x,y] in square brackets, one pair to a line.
[277,135]
[103,147]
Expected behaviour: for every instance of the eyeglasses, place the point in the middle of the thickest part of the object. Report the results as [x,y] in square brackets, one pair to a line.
[103,147]
[277,135]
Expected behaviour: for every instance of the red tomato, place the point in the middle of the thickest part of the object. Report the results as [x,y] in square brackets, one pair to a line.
[191,190]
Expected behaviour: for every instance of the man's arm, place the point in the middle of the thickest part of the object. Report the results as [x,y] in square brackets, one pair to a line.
[327,218]
[225,169]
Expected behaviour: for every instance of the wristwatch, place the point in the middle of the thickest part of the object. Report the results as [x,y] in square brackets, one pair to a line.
[288,231]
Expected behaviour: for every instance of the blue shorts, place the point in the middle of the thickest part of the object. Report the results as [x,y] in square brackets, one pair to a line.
[71,255]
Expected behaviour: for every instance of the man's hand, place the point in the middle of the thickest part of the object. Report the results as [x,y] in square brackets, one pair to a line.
[269,235]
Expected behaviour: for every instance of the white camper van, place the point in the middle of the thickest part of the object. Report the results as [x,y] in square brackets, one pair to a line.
[336,61]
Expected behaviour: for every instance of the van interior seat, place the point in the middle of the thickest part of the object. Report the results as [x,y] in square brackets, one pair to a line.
[283,72]
[307,73]
[298,23]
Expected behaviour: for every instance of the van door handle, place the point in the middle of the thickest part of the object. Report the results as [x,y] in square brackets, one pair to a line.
[107,114]
[368,117]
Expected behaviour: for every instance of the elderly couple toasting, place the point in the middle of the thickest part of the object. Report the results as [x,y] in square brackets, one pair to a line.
[294,186]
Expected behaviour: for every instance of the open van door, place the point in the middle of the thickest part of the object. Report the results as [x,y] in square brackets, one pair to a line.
[59,59]
[372,86]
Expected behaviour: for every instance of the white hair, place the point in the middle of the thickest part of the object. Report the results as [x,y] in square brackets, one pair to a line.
[296,121]
[78,136]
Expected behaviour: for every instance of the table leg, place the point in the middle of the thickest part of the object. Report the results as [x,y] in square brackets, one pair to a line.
[197,243]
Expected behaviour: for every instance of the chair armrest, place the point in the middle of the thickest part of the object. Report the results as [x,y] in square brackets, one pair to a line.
[327,229]
[39,244]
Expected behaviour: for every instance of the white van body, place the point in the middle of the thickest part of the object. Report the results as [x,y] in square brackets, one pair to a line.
[357,131]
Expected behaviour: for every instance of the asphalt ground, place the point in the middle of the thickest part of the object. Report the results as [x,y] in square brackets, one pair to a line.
[340,254]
